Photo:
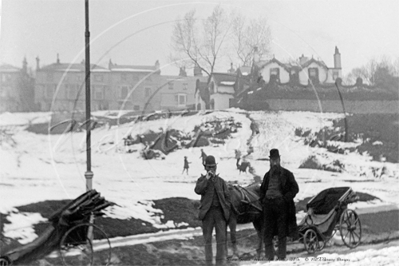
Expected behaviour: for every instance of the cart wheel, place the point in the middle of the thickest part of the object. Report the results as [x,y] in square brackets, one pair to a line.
[311,241]
[77,248]
[4,262]
[350,228]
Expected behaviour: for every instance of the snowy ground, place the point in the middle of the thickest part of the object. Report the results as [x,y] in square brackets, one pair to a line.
[371,255]
[51,167]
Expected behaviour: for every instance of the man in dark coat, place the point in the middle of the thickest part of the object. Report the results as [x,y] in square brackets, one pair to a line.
[277,193]
[214,211]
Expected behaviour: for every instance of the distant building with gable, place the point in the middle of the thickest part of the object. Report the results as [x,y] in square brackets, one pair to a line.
[304,71]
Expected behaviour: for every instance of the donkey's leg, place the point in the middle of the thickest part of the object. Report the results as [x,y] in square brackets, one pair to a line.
[233,236]
[258,224]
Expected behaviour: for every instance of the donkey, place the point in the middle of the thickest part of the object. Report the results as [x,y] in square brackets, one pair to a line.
[246,208]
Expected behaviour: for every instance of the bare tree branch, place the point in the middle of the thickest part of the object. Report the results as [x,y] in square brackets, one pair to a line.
[217,39]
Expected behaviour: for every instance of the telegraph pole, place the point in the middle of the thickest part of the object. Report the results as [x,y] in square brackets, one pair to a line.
[89,174]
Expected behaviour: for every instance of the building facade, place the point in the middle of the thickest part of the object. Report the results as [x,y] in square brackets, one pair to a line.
[16,89]
[142,89]
[304,71]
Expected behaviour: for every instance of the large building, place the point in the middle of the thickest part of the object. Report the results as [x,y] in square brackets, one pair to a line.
[16,88]
[142,89]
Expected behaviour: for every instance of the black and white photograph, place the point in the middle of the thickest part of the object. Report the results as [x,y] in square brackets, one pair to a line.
[199,132]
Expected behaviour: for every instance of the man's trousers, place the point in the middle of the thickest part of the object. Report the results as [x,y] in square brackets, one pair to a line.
[214,218]
[275,218]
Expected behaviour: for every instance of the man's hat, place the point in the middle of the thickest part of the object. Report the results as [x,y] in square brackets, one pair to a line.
[274,154]
[210,161]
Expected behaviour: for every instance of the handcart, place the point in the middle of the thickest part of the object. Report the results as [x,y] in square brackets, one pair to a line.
[327,214]
[72,233]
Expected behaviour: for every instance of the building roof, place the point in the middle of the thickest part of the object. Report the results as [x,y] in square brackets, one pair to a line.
[71,67]
[245,70]
[224,79]
[180,78]
[274,60]
[312,60]
[132,68]
[9,68]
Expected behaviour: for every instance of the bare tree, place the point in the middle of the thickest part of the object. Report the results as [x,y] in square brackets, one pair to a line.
[200,47]
[207,43]
[248,36]
[381,73]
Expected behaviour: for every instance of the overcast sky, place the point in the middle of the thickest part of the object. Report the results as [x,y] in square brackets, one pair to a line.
[138,32]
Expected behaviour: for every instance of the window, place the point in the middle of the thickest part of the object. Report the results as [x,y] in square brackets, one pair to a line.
[185,86]
[147,92]
[3,91]
[123,92]
[136,107]
[6,77]
[181,99]
[275,71]
[170,85]
[314,75]
[313,72]
[212,88]
[49,92]
[123,76]
[98,93]
[231,102]
[98,78]
[49,76]
[71,93]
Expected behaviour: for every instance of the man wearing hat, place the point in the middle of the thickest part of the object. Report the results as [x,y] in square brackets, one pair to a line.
[277,194]
[214,210]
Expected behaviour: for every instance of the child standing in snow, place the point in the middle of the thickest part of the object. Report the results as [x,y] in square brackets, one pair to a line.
[186,163]
[203,156]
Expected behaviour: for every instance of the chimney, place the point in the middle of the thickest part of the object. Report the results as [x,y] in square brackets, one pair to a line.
[197,71]
[157,67]
[37,63]
[231,70]
[182,72]
[303,59]
[25,65]
[110,65]
[58,58]
[337,59]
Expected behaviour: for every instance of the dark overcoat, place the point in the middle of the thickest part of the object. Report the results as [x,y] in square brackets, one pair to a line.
[289,189]
[206,188]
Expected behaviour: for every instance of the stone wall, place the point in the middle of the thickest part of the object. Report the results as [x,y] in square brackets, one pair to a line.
[355,107]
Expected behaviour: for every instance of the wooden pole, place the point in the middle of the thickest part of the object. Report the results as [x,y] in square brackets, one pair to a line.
[89,174]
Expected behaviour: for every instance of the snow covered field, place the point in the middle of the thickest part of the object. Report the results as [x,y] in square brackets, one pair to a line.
[51,167]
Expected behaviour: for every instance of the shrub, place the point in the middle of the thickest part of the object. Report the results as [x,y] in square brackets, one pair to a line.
[311,163]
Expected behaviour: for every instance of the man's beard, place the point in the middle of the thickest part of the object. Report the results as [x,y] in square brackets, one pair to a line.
[275,170]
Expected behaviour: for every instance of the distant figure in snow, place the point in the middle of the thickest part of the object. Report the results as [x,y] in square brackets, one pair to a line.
[186,163]
[203,156]
[238,156]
